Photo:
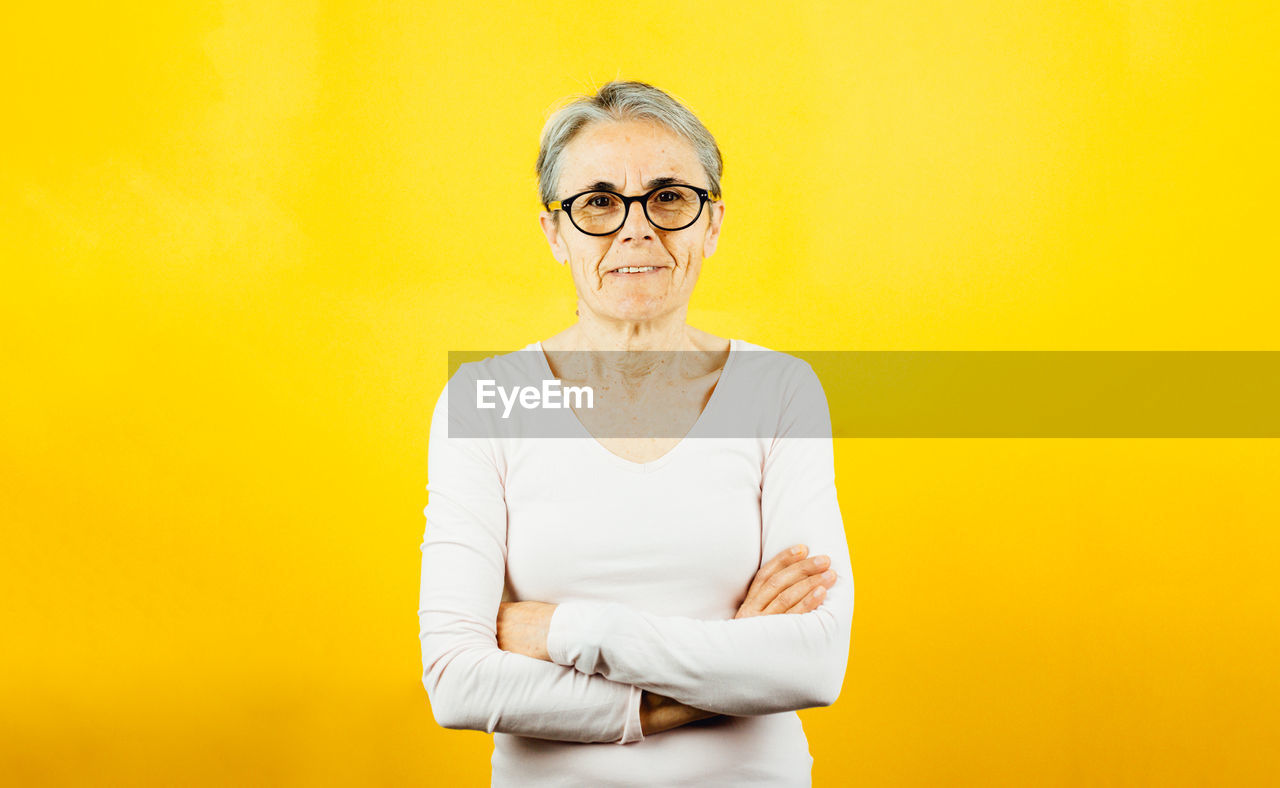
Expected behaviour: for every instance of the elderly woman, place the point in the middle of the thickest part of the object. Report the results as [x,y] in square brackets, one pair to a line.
[629,608]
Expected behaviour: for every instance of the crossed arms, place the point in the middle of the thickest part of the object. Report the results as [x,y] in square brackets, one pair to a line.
[608,672]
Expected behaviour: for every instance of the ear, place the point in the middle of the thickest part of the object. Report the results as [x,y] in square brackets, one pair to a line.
[550,221]
[713,228]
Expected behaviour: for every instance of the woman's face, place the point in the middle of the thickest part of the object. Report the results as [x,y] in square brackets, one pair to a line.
[631,158]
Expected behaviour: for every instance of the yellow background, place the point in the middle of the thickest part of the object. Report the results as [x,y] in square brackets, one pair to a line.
[238,238]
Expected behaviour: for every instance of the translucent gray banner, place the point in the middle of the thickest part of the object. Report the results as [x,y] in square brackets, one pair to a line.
[868,394]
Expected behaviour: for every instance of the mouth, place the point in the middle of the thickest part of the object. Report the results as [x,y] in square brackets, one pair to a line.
[635,270]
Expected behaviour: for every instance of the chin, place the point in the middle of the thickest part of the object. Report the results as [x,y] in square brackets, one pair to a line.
[637,313]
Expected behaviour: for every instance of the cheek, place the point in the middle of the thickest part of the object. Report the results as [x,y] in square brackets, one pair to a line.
[587,255]
[691,257]
[683,253]
[586,273]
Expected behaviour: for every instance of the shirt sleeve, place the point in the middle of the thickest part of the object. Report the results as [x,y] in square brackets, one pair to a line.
[758,665]
[471,683]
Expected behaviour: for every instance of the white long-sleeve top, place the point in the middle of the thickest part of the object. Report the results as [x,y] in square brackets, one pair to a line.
[648,563]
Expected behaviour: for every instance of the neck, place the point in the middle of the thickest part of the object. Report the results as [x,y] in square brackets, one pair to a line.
[635,350]
[668,332]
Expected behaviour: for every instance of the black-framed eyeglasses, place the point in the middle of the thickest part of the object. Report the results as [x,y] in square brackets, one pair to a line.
[602,212]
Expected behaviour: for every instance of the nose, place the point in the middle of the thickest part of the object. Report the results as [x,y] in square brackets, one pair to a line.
[636,227]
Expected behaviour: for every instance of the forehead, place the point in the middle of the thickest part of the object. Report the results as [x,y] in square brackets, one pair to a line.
[628,154]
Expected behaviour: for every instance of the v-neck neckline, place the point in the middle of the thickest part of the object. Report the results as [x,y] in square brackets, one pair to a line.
[651,465]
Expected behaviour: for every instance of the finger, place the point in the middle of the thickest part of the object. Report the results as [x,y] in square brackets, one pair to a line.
[812,601]
[815,597]
[753,604]
[789,576]
[796,592]
[787,557]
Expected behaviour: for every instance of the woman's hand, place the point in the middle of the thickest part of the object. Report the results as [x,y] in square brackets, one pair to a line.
[788,584]
[523,627]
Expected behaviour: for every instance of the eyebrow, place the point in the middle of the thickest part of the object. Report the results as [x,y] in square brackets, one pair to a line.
[653,183]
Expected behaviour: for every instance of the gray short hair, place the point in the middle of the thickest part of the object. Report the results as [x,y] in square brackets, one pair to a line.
[620,101]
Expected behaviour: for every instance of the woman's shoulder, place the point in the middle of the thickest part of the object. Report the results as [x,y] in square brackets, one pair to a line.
[784,386]
[768,365]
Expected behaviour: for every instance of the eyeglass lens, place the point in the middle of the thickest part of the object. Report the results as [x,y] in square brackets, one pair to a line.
[669,208]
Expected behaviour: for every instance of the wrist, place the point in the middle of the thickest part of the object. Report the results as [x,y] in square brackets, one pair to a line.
[660,713]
